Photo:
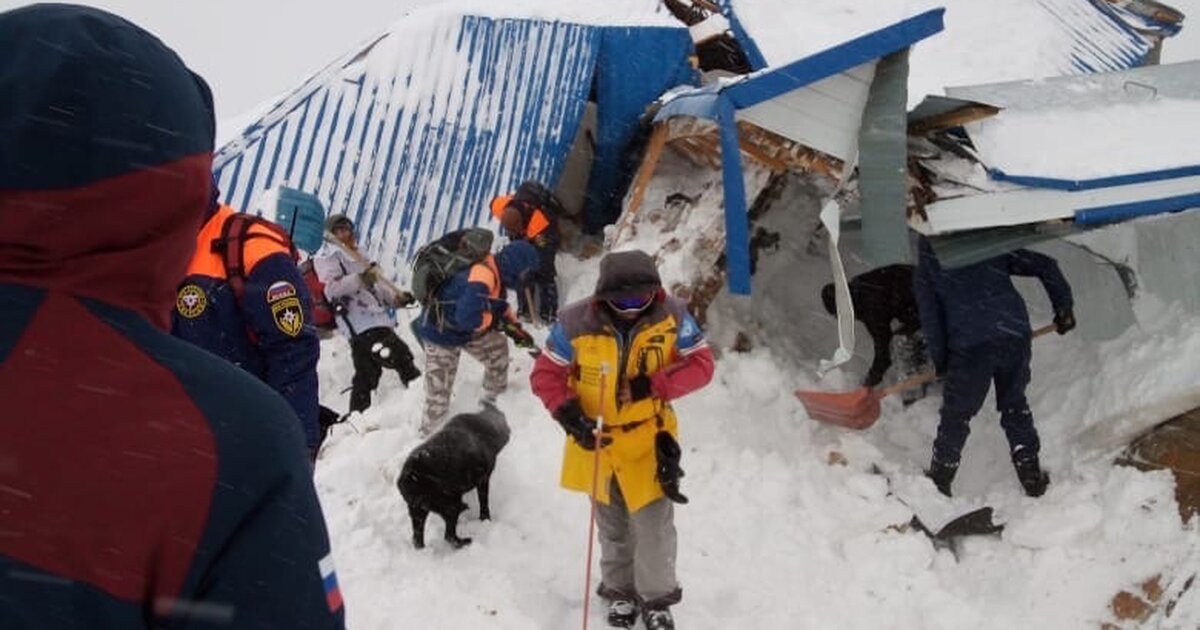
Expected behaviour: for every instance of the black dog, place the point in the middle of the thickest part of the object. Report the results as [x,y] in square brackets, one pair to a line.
[458,458]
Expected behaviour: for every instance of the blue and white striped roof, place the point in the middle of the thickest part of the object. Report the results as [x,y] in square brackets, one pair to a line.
[413,134]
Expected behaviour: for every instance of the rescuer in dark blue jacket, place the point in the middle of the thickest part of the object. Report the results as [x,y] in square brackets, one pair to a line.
[146,483]
[977,331]
[243,299]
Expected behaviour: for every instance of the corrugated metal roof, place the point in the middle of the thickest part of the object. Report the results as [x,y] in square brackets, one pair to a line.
[413,134]
[1176,80]
[1097,40]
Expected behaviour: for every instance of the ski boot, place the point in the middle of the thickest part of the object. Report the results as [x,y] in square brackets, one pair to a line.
[622,612]
[1029,472]
[658,619]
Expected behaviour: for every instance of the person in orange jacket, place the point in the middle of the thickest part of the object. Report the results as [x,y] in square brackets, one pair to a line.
[531,213]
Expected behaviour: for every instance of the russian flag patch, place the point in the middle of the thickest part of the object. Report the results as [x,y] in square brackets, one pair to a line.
[333,594]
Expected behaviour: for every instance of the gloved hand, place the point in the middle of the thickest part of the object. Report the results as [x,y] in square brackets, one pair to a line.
[570,416]
[639,388]
[369,276]
[521,338]
[403,299]
[1064,320]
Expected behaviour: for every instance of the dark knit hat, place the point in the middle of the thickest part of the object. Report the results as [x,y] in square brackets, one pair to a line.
[627,274]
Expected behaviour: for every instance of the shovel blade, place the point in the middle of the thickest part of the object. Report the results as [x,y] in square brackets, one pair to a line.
[858,409]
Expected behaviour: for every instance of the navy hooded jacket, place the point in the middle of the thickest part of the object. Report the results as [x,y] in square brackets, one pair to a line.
[472,300]
[146,483]
[968,306]
[269,330]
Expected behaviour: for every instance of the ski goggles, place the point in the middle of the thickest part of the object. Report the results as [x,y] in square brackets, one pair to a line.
[630,305]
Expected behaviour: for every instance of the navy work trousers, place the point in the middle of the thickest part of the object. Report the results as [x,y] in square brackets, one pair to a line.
[971,373]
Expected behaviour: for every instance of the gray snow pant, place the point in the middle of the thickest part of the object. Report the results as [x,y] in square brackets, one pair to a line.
[441,366]
[637,551]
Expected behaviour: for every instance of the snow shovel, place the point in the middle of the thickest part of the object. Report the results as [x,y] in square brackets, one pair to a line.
[859,409]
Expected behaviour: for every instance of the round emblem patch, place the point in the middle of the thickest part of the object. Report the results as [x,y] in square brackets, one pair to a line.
[191,301]
[288,315]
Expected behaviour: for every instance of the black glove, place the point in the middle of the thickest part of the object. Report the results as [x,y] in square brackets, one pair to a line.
[1064,320]
[639,388]
[668,472]
[520,337]
[872,379]
[570,416]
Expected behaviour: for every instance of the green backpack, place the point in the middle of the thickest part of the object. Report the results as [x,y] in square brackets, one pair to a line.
[438,261]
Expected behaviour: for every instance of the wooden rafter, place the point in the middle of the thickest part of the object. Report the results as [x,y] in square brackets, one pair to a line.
[954,118]
[699,141]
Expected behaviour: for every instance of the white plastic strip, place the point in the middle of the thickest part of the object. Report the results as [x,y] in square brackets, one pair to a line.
[831,218]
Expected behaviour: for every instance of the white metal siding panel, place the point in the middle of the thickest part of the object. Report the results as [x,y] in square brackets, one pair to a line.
[825,115]
[1036,205]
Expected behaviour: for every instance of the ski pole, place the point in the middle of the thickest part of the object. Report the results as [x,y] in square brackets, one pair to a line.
[596,432]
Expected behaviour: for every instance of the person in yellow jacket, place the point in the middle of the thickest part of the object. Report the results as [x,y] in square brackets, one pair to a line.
[623,355]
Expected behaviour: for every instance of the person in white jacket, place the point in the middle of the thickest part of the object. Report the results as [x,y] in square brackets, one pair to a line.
[362,305]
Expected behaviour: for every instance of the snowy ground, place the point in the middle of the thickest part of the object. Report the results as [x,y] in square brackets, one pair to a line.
[775,535]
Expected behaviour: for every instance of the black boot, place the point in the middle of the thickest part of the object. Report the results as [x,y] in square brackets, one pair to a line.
[622,612]
[1029,472]
[942,475]
[658,619]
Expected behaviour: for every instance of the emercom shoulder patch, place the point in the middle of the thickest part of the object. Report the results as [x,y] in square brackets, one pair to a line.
[288,315]
[191,301]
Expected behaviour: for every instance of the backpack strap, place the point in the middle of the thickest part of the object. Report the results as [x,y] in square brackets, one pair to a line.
[232,243]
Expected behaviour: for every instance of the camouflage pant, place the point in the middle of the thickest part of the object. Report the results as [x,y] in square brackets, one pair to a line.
[441,366]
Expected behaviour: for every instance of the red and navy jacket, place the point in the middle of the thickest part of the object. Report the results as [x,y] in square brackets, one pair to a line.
[144,483]
[268,330]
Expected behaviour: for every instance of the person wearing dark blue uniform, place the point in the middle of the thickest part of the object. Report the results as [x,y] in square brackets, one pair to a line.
[147,483]
[257,316]
[532,214]
[977,332]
